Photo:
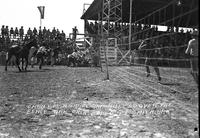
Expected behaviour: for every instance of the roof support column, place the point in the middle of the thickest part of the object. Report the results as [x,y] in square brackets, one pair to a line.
[130,31]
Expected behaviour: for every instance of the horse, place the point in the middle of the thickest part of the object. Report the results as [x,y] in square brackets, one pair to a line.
[21,52]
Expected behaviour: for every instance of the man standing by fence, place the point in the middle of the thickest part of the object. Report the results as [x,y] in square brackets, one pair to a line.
[192,50]
[74,33]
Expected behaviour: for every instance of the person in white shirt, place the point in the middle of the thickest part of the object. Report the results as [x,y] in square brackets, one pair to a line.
[192,50]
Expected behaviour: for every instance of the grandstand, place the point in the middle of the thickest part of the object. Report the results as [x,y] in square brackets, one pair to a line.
[166,24]
[149,17]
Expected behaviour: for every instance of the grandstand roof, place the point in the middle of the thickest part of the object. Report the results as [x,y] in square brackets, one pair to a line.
[142,8]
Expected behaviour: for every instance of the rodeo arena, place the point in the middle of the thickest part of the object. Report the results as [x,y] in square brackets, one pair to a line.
[133,73]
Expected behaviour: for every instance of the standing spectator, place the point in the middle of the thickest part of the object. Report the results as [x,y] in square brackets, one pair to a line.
[29,32]
[21,32]
[11,32]
[74,33]
[16,33]
[40,33]
[192,50]
[2,30]
[44,31]
[63,36]
[48,34]
[6,31]
[54,32]
[34,31]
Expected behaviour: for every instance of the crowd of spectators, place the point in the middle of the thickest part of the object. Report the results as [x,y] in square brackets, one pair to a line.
[175,38]
[8,36]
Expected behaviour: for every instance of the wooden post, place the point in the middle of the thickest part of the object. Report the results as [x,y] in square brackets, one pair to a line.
[130,33]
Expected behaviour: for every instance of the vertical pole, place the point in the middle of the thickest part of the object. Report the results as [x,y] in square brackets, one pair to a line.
[41,22]
[105,52]
[99,32]
[130,33]
[105,38]
[105,49]
[102,17]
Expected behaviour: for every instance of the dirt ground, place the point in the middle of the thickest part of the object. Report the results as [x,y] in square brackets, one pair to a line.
[67,102]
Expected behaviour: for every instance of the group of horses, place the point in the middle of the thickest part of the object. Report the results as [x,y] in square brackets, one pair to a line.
[31,50]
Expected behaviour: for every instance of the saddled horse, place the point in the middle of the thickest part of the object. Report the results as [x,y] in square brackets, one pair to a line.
[21,53]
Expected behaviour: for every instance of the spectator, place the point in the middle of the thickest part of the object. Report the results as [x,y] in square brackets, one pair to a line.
[6,31]
[21,32]
[54,32]
[44,31]
[40,33]
[29,32]
[63,36]
[11,32]
[74,33]
[2,30]
[34,31]
[16,32]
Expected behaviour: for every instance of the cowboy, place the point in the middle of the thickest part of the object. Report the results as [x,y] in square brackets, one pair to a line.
[150,57]
[74,32]
[192,50]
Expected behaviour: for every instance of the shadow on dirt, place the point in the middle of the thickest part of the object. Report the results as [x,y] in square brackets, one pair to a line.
[42,70]
[170,83]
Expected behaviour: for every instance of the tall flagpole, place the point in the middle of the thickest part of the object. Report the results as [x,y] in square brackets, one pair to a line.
[41,10]
[40,22]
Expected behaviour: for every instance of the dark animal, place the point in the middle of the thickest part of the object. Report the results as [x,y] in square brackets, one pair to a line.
[21,53]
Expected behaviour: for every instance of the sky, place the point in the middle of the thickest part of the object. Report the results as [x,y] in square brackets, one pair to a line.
[61,14]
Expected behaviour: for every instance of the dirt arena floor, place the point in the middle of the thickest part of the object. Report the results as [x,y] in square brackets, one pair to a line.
[67,102]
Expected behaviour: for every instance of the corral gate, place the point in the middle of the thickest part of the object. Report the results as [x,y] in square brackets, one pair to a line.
[108,49]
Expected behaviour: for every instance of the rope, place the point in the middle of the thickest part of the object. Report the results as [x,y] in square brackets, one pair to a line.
[133,74]
[163,59]
[168,78]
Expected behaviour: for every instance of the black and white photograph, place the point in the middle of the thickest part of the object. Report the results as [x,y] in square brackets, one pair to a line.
[99,69]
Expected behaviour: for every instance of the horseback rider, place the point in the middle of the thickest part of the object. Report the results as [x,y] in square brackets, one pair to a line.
[42,51]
